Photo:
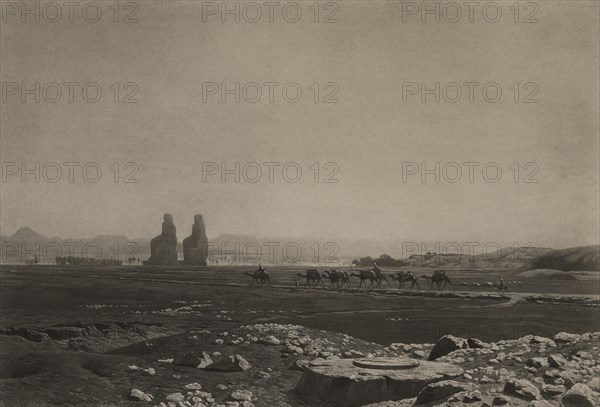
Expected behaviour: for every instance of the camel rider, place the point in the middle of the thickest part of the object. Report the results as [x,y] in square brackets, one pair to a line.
[502,283]
[375,268]
[260,267]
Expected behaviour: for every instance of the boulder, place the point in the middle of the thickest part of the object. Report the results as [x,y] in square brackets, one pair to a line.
[445,345]
[553,390]
[300,364]
[579,395]
[557,360]
[537,362]
[421,354]
[235,363]
[439,390]
[584,355]
[472,396]
[353,354]
[269,340]
[551,374]
[565,337]
[148,372]
[193,386]
[175,397]
[136,394]
[195,246]
[193,359]
[477,343]
[543,341]
[241,395]
[500,401]
[522,389]
[346,382]
[570,377]
[293,349]
[163,248]
[594,384]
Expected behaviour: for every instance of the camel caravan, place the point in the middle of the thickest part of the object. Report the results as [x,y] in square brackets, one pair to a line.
[373,278]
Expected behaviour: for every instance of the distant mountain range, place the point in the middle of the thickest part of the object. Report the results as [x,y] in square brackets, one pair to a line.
[25,244]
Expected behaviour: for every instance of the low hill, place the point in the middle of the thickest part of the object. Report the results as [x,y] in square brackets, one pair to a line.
[504,258]
[581,258]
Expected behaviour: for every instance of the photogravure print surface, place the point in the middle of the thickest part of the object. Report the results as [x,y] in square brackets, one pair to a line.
[299,203]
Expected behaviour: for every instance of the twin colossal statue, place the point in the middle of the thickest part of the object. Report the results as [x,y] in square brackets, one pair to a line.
[163,248]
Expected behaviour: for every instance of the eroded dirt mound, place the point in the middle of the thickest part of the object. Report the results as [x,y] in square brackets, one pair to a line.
[97,337]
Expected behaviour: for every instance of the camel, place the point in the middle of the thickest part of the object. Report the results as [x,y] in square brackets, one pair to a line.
[379,276]
[344,278]
[406,277]
[440,278]
[365,275]
[334,279]
[311,275]
[259,276]
[337,278]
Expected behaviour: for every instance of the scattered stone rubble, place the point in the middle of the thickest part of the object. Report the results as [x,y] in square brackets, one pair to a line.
[192,395]
[531,371]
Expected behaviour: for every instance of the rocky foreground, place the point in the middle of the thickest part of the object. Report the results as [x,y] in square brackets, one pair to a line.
[529,371]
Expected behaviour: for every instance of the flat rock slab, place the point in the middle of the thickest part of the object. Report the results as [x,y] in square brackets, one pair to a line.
[340,382]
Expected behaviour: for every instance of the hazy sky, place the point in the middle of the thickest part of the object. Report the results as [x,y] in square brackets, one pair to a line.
[368,54]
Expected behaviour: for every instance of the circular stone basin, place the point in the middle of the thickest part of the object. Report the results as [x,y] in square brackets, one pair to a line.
[356,382]
[387,363]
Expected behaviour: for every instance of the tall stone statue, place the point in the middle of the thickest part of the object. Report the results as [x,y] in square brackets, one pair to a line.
[195,247]
[163,248]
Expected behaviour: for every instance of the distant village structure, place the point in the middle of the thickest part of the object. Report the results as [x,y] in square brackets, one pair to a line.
[163,248]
